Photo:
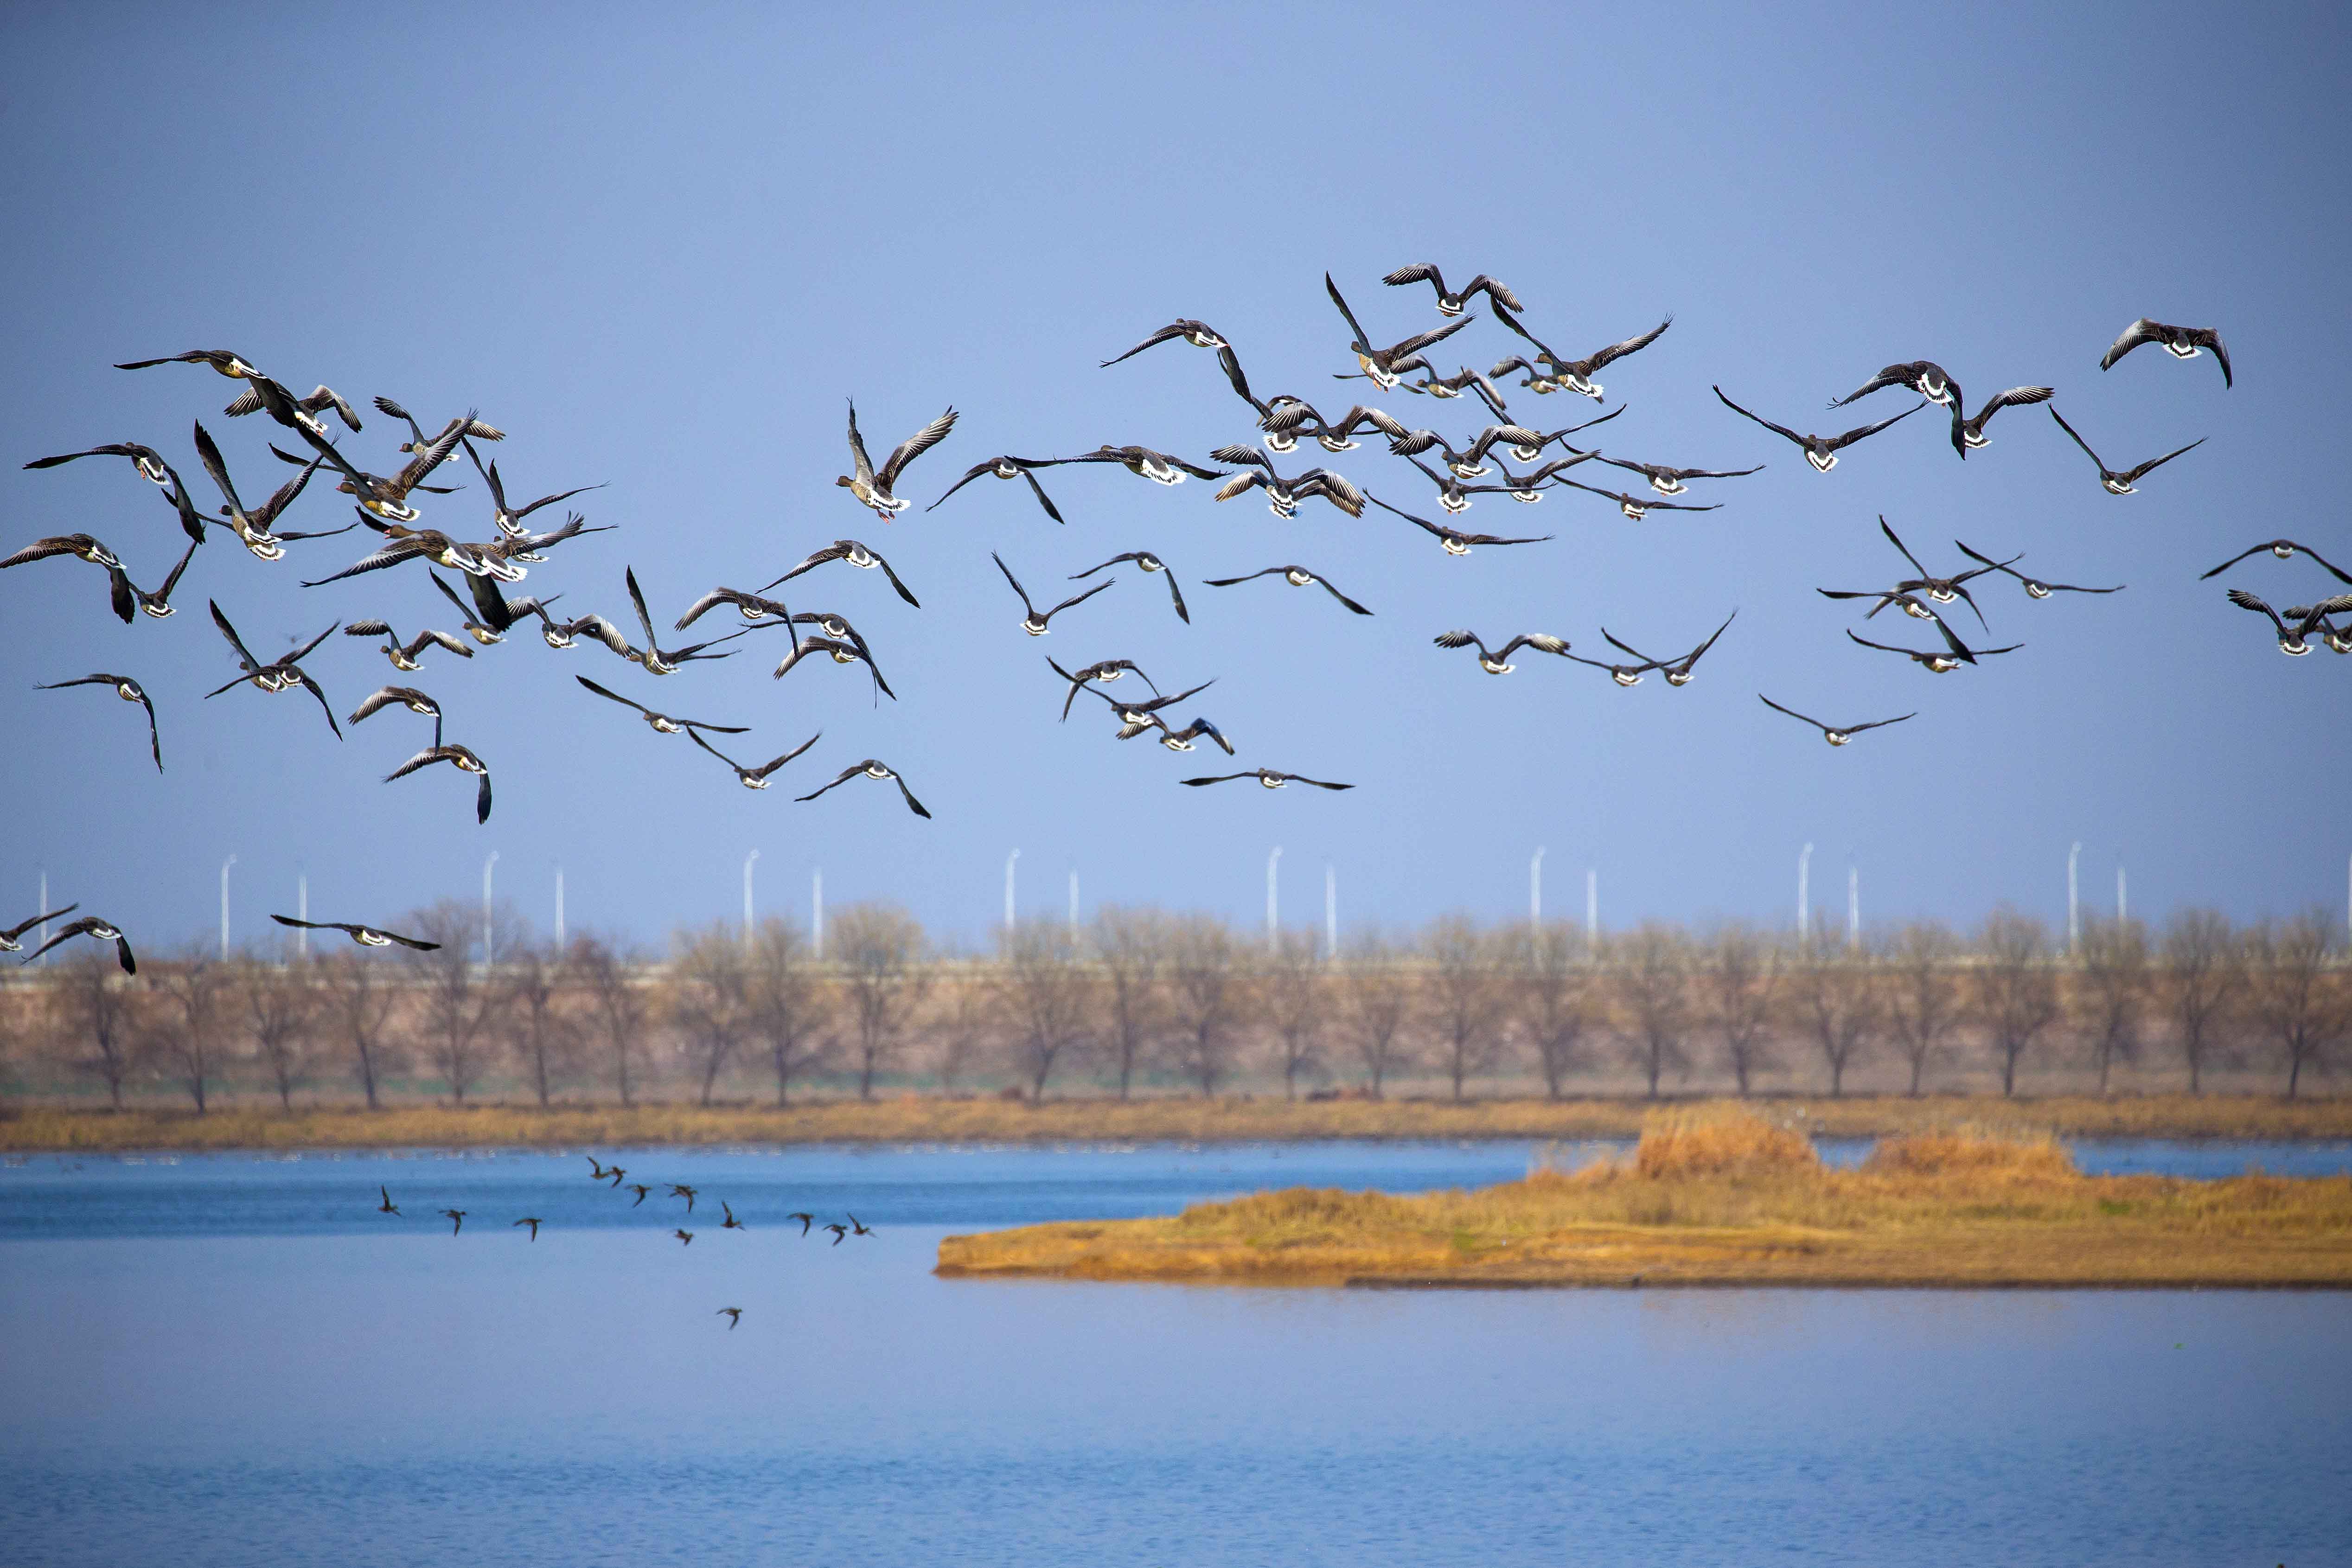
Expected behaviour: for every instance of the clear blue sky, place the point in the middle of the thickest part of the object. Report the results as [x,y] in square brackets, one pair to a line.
[661,248]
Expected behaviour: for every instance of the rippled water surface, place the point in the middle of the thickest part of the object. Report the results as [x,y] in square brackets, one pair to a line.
[238,1360]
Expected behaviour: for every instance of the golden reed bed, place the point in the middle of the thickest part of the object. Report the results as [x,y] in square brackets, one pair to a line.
[1723,1197]
[914,1120]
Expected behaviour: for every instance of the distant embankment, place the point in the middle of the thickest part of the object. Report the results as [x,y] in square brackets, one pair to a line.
[943,1121]
[1721,1196]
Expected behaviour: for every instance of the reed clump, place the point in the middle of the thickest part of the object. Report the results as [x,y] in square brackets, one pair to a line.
[1729,1197]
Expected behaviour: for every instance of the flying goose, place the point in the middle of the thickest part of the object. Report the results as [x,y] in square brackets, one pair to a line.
[1677,671]
[1450,303]
[1269,777]
[1282,495]
[1296,576]
[562,634]
[1942,663]
[129,598]
[2300,620]
[128,690]
[680,1190]
[387,1206]
[403,655]
[752,778]
[751,606]
[497,612]
[281,674]
[1529,451]
[1943,590]
[460,758]
[2284,550]
[456,1218]
[255,526]
[1104,669]
[1454,496]
[531,548]
[402,543]
[1454,541]
[1175,739]
[2120,484]
[2034,587]
[662,723]
[840,1232]
[234,366]
[481,631]
[8,943]
[265,394]
[1575,376]
[152,468]
[1465,379]
[1622,674]
[734,1316]
[1467,463]
[1926,377]
[1821,451]
[1287,422]
[872,768]
[408,697]
[1835,735]
[641,1191]
[804,1217]
[658,661]
[1386,367]
[85,545]
[1634,507]
[851,650]
[856,554]
[1149,564]
[872,485]
[366,936]
[1146,463]
[1669,481]
[1032,622]
[856,1229]
[534,1222]
[730,1222]
[91,926]
[419,443]
[1007,467]
[1200,334]
[1497,661]
[387,498]
[2183,343]
[1972,428]
[1140,712]
[506,517]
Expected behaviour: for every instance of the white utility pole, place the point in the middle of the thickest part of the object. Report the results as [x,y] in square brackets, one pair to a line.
[2123,903]
[1273,921]
[1591,910]
[1009,859]
[1330,912]
[44,907]
[225,866]
[1853,906]
[816,912]
[2074,911]
[1535,889]
[1074,906]
[488,957]
[1804,908]
[559,906]
[747,861]
[302,912]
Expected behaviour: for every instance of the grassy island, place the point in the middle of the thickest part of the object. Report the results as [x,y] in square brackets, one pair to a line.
[1723,1197]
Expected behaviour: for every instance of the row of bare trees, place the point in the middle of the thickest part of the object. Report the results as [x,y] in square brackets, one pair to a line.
[1145,1000]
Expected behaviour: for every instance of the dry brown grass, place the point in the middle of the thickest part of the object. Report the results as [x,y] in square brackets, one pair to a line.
[927,1120]
[1708,1201]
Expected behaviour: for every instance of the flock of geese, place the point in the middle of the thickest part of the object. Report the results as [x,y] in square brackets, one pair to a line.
[1464,467]
[615,1177]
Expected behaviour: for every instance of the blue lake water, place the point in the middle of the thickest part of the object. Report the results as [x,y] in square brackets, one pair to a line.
[238,1360]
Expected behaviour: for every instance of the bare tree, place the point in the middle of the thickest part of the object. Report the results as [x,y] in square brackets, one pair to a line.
[1046,997]
[1205,989]
[533,978]
[1553,1001]
[1922,994]
[963,1022]
[788,1003]
[1131,945]
[1294,995]
[617,1008]
[1837,1000]
[460,1005]
[711,1001]
[1466,997]
[880,951]
[2204,972]
[1377,996]
[281,1018]
[92,1013]
[2016,990]
[1742,977]
[2302,1006]
[2112,992]
[186,1024]
[358,993]
[1650,970]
